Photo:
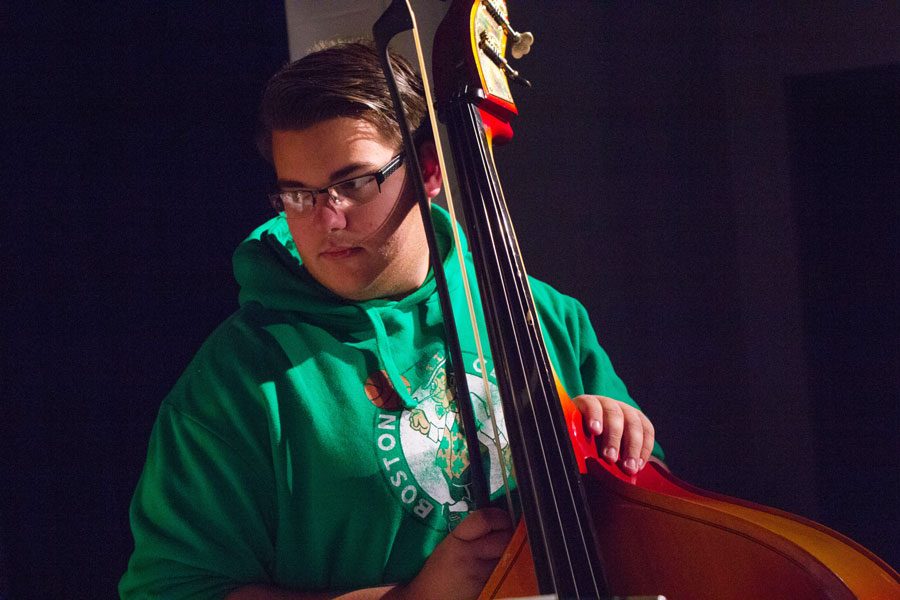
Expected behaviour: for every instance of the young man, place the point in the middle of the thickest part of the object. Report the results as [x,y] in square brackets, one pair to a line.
[312,446]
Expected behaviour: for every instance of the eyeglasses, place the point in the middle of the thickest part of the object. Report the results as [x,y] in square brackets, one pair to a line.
[349,192]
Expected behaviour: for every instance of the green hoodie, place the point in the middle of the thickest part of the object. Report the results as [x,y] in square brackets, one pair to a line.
[312,443]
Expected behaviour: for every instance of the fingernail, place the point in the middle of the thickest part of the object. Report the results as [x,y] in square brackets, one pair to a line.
[641,464]
[631,465]
[611,454]
[595,427]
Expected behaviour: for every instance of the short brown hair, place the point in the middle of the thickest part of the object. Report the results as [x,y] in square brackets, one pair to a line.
[343,79]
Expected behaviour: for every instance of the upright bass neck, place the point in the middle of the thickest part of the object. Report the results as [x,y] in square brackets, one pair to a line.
[475,103]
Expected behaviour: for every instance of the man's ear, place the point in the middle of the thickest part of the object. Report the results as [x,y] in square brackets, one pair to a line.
[431,169]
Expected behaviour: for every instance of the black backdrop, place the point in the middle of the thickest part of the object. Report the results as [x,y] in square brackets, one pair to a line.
[129,175]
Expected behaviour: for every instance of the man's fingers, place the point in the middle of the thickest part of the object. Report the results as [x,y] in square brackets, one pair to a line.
[633,440]
[613,427]
[649,438]
[591,411]
[492,545]
[481,523]
[625,434]
[486,532]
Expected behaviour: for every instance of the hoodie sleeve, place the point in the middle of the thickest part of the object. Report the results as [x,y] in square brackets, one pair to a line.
[203,513]
[195,519]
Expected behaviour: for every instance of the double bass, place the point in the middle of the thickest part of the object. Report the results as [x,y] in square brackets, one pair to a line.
[588,529]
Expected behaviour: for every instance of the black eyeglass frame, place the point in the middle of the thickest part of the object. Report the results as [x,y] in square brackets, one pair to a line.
[277,198]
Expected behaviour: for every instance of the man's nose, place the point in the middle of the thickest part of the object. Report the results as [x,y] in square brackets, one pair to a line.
[329,212]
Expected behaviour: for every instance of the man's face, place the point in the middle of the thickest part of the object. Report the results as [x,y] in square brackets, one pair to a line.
[374,250]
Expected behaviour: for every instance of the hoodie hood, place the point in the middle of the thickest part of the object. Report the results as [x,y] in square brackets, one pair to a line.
[270,273]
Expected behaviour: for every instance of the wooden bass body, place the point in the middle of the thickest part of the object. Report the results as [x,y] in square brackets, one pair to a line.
[662,536]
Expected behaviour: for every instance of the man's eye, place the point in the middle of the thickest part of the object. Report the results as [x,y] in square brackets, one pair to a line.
[354,185]
[298,196]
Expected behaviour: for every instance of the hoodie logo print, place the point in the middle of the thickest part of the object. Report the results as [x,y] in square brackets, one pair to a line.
[422,451]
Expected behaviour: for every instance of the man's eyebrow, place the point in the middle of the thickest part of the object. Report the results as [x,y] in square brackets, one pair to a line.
[342,173]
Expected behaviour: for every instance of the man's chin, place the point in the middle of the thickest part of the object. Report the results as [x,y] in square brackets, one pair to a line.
[372,290]
[364,285]
[356,291]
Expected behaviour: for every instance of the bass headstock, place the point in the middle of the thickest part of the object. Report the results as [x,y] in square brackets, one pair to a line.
[469,60]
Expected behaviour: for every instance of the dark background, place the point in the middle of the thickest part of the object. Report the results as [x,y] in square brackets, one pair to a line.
[718,184]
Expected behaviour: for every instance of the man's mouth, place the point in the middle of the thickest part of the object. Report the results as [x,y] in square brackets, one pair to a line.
[339,252]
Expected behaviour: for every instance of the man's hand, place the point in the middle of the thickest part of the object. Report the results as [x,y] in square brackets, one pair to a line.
[461,564]
[456,570]
[626,435]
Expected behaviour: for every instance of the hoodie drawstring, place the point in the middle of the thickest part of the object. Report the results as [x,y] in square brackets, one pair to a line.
[386,358]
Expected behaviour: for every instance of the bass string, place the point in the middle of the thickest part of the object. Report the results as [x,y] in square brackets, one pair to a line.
[465,160]
[521,406]
[530,349]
